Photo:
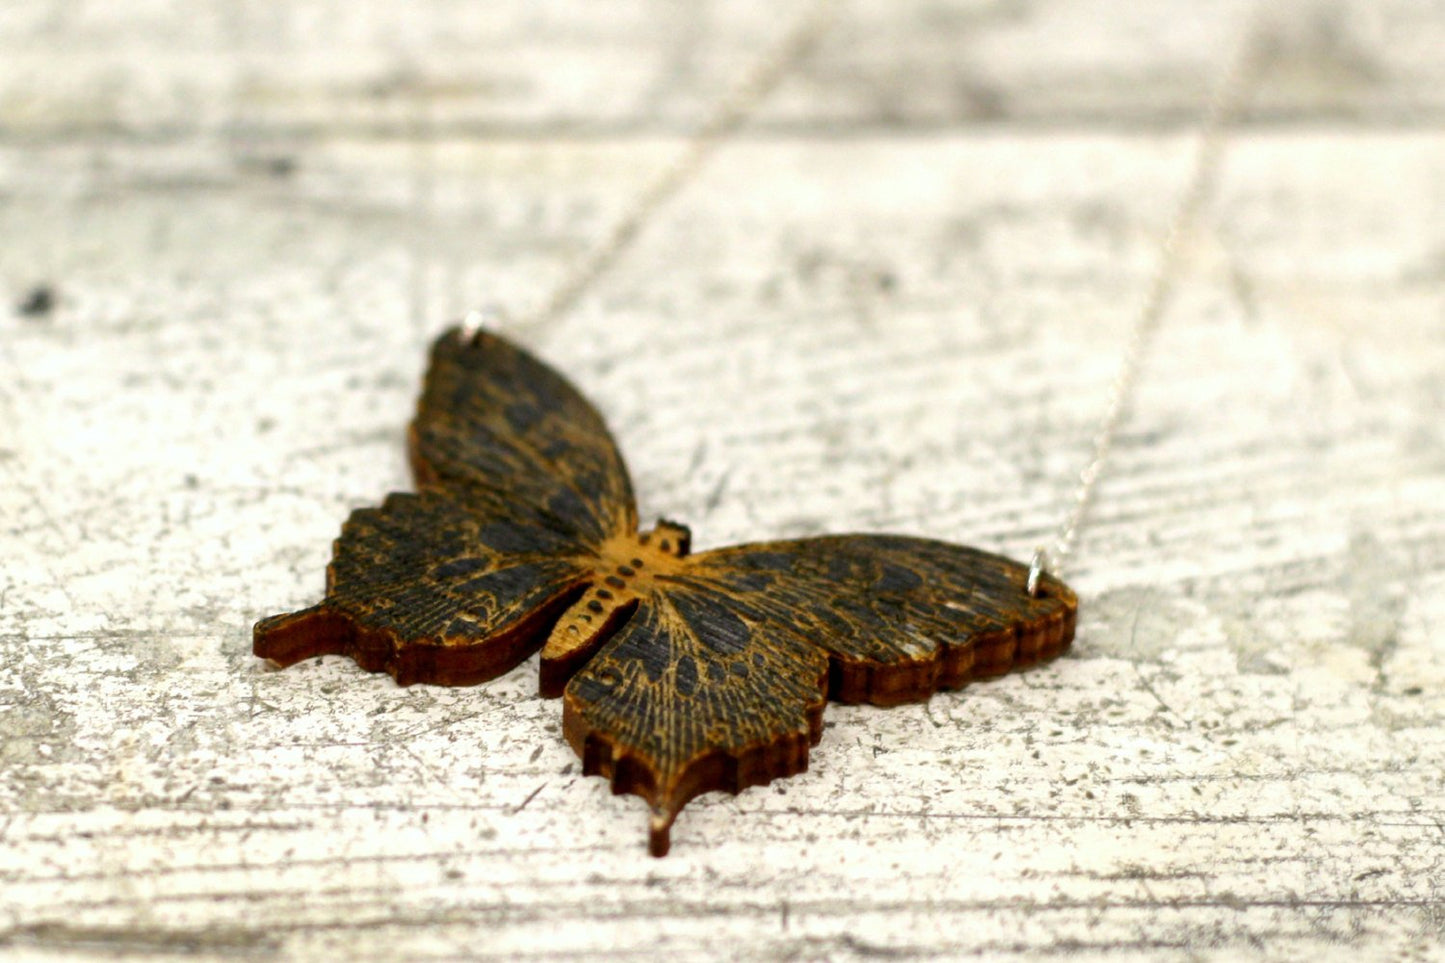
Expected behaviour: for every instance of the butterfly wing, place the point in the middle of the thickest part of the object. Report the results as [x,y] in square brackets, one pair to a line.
[431,588]
[695,693]
[520,485]
[498,423]
[900,617]
[719,679]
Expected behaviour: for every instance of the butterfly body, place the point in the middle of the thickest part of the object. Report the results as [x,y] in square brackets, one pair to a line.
[627,570]
[679,673]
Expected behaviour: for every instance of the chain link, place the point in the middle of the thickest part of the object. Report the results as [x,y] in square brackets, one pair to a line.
[1225,104]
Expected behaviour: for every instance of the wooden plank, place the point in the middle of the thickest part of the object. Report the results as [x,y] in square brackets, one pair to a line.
[319,68]
[1241,758]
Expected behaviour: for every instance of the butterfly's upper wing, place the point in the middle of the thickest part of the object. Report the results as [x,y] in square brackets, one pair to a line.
[520,485]
[900,617]
[719,679]
[499,424]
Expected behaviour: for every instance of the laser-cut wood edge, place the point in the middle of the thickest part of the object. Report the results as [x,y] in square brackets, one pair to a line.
[953,666]
[326,629]
[1020,647]
[714,769]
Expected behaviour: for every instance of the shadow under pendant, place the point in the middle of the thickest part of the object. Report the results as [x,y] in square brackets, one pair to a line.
[678,673]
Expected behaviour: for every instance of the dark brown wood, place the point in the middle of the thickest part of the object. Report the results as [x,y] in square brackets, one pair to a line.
[679,674]
[719,678]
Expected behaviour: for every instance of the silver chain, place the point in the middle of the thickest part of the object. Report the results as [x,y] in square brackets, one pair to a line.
[1224,105]
[738,106]
[731,113]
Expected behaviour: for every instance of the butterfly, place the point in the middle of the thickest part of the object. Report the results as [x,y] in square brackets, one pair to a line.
[678,673]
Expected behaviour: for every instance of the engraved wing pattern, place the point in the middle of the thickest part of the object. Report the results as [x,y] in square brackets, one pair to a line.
[431,588]
[499,423]
[719,681]
[520,484]
[899,617]
[679,674]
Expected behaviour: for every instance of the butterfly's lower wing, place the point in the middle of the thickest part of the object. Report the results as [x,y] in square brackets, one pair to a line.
[719,680]
[496,422]
[433,588]
[695,693]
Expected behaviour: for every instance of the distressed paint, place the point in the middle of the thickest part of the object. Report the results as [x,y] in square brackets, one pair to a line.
[1242,754]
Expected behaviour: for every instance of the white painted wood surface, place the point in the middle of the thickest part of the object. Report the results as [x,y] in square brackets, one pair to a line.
[895,304]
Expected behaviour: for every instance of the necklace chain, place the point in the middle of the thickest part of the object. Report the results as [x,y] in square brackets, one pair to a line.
[1224,105]
[737,108]
[729,115]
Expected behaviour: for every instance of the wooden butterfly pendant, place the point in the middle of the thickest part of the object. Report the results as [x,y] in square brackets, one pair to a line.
[678,673]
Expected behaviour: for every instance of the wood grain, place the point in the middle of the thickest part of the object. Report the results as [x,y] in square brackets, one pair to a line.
[219,70]
[1240,757]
